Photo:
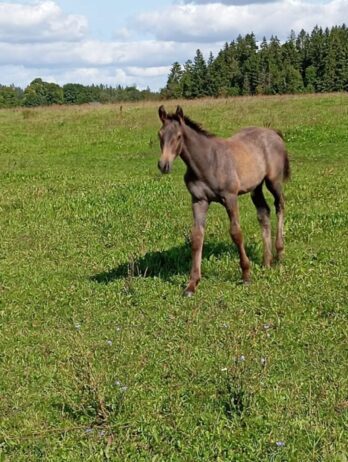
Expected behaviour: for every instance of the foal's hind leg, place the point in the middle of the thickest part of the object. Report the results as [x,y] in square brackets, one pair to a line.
[231,204]
[276,189]
[263,215]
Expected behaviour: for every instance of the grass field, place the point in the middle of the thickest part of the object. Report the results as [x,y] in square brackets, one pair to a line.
[102,358]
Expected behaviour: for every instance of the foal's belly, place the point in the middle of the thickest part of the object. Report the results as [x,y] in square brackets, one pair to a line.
[248,184]
[251,169]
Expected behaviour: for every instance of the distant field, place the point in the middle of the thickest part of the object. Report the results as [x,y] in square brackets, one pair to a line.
[101,358]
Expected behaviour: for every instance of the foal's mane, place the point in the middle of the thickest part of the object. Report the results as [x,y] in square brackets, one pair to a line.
[197,127]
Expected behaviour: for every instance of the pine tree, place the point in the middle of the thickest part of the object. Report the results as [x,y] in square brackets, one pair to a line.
[264,84]
[316,54]
[219,72]
[277,84]
[187,80]
[174,84]
[291,75]
[211,79]
[199,76]
[248,63]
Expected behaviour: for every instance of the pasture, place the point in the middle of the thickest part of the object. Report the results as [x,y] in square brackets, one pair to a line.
[102,358]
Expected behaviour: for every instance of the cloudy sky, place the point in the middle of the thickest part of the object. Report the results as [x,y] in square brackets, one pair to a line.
[135,42]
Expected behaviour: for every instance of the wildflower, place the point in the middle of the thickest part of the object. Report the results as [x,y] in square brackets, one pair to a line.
[241,358]
[121,387]
[280,444]
[109,342]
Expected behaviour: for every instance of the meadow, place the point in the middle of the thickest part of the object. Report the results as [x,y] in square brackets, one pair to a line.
[102,358]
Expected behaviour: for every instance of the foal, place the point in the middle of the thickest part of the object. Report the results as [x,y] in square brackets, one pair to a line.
[218,170]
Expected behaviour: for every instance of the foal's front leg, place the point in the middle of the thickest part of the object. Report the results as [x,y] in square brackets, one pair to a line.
[231,204]
[199,209]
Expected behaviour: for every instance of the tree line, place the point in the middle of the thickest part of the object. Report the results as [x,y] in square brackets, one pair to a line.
[41,93]
[307,62]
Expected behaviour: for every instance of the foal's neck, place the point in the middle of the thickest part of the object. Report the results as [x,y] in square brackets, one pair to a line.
[194,152]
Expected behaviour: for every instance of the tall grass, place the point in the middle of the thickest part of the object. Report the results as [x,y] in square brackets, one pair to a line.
[101,358]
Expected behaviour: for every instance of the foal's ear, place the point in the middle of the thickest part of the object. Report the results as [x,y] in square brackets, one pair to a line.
[162,113]
[180,112]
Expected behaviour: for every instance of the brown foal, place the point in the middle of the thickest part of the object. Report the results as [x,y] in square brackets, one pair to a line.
[218,170]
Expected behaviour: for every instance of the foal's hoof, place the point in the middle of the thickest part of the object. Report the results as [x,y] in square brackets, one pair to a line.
[246,277]
[190,289]
[246,282]
[280,257]
[267,264]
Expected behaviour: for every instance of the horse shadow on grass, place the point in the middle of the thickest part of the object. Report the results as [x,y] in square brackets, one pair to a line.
[168,263]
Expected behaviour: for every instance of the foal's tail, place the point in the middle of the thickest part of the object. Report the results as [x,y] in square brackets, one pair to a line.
[287,170]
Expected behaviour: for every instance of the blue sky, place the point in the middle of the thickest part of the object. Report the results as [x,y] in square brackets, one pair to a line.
[106,16]
[136,42]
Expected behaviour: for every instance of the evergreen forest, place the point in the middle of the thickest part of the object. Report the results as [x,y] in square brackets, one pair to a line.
[307,62]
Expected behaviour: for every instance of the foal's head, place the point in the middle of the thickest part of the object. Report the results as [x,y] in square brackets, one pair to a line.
[171,137]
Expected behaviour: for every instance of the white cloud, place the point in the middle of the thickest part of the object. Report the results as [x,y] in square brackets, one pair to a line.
[122,34]
[40,22]
[228,2]
[92,53]
[148,71]
[216,21]
[141,77]
[41,40]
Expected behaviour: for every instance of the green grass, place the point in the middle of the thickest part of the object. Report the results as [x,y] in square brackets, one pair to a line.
[101,358]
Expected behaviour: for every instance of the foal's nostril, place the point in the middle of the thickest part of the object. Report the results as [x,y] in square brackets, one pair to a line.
[164,166]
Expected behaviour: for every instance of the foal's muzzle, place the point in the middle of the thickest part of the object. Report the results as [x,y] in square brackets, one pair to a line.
[164,167]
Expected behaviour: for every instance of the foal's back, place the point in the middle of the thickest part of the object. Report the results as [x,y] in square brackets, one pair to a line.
[258,154]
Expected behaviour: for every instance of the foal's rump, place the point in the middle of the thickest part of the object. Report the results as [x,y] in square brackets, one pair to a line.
[258,154]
